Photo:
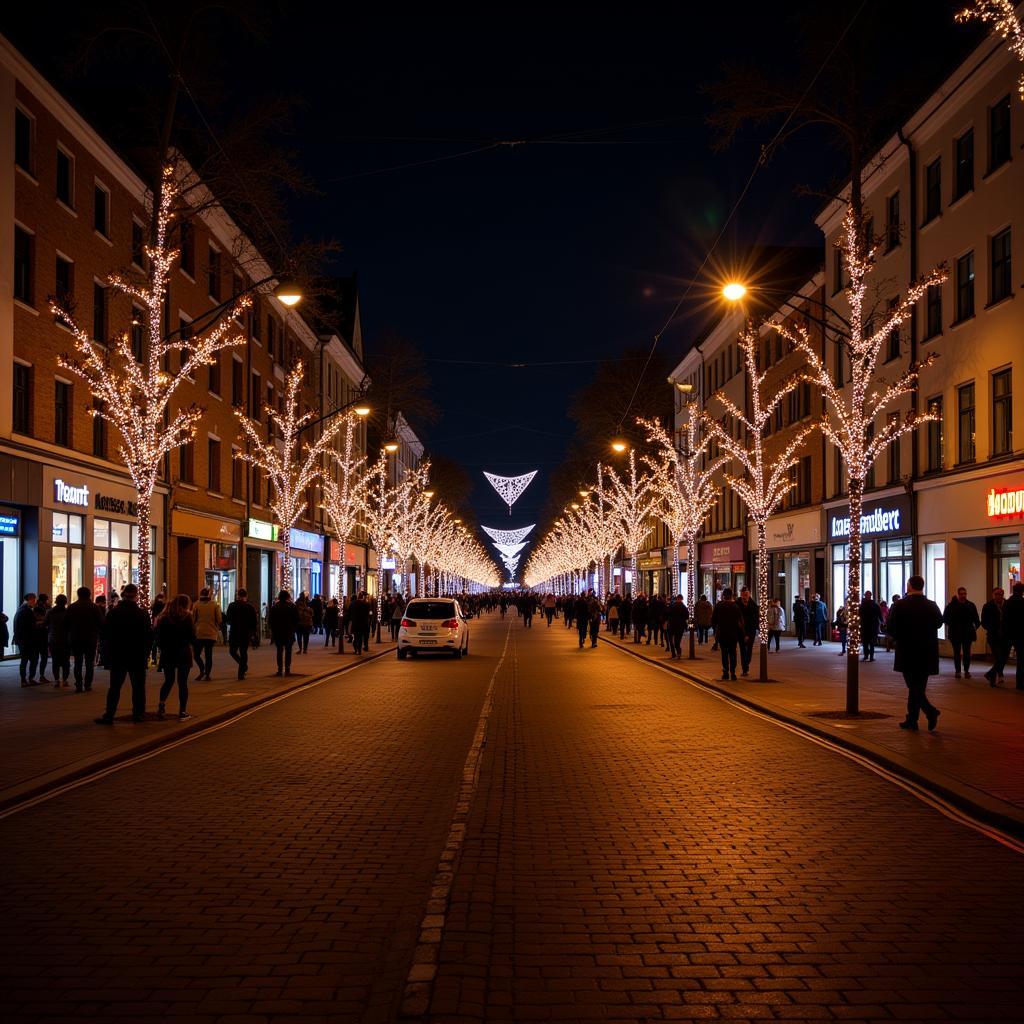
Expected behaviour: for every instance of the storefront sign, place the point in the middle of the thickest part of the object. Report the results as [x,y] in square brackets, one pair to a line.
[190,524]
[889,517]
[68,494]
[387,563]
[259,530]
[118,506]
[651,562]
[9,525]
[1005,503]
[722,552]
[355,555]
[795,529]
[306,541]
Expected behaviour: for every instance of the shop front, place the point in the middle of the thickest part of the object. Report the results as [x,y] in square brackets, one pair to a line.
[10,561]
[722,564]
[795,556]
[887,548]
[653,569]
[262,562]
[307,562]
[351,571]
[207,555]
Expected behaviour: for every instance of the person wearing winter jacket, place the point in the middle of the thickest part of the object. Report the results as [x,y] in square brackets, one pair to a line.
[55,623]
[176,637]
[243,630]
[677,619]
[962,622]
[127,640]
[84,623]
[776,618]
[284,621]
[25,640]
[207,618]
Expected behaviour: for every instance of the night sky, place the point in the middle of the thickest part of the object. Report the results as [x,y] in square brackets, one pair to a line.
[567,247]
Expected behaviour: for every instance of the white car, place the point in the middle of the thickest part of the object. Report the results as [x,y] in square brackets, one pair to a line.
[433,624]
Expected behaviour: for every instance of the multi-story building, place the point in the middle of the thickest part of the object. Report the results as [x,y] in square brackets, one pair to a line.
[75,212]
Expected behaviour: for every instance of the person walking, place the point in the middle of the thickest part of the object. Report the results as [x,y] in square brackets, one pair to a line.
[962,622]
[640,614]
[1013,622]
[870,624]
[992,621]
[626,616]
[702,616]
[332,617]
[207,618]
[56,627]
[914,625]
[549,608]
[612,613]
[888,638]
[25,640]
[751,621]
[39,610]
[84,623]
[817,614]
[678,618]
[594,612]
[305,626]
[397,613]
[284,620]
[800,617]
[842,626]
[580,615]
[127,640]
[527,607]
[243,630]
[176,636]
[776,617]
[730,630]
[317,608]
[360,619]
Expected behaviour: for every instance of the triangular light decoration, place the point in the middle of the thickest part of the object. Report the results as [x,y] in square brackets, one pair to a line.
[510,487]
[507,536]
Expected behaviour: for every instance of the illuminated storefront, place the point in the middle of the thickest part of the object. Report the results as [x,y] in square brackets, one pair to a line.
[722,564]
[796,556]
[307,562]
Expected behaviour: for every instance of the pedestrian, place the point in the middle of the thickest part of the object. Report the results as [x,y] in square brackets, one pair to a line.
[870,624]
[800,619]
[888,638]
[992,621]
[332,616]
[527,607]
[549,608]
[207,617]
[156,610]
[612,612]
[25,640]
[962,622]
[5,634]
[360,622]
[640,612]
[776,620]
[678,619]
[243,630]
[626,616]
[581,616]
[594,612]
[176,634]
[702,616]
[284,620]
[397,614]
[1013,622]
[305,626]
[55,624]
[751,622]
[85,628]
[914,625]
[39,610]
[127,640]
[317,608]
[841,625]
[655,620]
[730,630]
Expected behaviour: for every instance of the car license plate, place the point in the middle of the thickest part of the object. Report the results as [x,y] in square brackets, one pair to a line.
[429,641]
[428,629]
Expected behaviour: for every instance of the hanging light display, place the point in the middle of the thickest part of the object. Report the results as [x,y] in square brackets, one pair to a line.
[510,487]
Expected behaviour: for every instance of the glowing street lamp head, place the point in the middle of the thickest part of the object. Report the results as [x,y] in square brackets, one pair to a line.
[619,446]
[734,291]
[391,445]
[362,410]
[583,493]
[429,494]
[288,292]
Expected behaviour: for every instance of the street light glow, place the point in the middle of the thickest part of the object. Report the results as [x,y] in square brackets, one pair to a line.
[619,446]
[288,293]
[734,291]
[362,410]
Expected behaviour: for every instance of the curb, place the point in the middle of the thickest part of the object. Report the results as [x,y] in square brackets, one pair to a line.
[11,800]
[973,802]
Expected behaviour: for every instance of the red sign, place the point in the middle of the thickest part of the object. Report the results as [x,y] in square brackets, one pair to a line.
[354,555]
[334,553]
[1005,503]
[722,552]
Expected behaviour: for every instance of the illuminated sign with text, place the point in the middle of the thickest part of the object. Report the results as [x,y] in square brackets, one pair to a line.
[1005,503]
[66,494]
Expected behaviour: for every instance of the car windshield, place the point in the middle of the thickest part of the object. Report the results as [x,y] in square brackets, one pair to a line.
[430,610]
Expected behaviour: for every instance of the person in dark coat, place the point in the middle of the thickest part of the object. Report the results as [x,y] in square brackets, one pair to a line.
[25,640]
[626,616]
[580,617]
[176,634]
[84,625]
[730,630]
[800,621]
[332,617]
[1013,621]
[817,617]
[284,620]
[317,607]
[870,624]
[914,625]
[962,622]
[55,624]
[39,610]
[751,620]
[992,615]
[127,640]
[359,618]
[243,630]
[594,611]
[640,615]
[678,619]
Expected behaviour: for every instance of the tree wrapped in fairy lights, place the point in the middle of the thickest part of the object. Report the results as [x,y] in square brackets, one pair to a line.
[851,412]
[1002,16]
[135,396]
[291,465]
[686,480]
[766,480]
[631,500]
[339,491]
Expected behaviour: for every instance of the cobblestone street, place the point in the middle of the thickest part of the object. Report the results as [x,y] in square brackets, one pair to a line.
[635,849]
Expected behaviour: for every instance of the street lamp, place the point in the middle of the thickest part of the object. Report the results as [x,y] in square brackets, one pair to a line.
[288,292]
[391,445]
[619,447]
[734,291]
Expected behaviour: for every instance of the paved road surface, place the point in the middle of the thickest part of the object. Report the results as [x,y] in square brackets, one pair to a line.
[636,850]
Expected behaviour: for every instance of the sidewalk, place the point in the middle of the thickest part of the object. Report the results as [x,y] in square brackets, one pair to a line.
[48,736]
[975,758]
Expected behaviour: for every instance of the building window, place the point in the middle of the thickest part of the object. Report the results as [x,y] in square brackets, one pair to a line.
[255,317]
[869,476]
[999,134]
[188,248]
[25,140]
[137,335]
[892,342]
[933,311]
[1004,561]
[66,533]
[237,473]
[935,572]
[256,492]
[840,471]
[965,422]
[894,453]
[237,384]
[62,413]
[24,244]
[1002,285]
[99,431]
[116,554]
[21,404]
[892,221]
[933,190]
[101,211]
[271,332]
[213,464]
[936,453]
[837,270]
[965,287]
[186,462]
[66,178]
[255,397]
[963,151]
[138,245]
[215,373]
[1002,412]
[64,291]
[99,313]
[213,274]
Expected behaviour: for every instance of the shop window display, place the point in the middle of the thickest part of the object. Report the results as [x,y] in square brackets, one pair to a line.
[67,554]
